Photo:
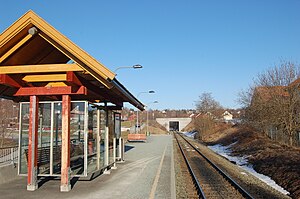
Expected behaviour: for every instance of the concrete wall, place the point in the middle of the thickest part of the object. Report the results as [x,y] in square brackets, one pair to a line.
[183,122]
[8,173]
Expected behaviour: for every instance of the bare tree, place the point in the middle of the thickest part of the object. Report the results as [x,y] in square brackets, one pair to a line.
[273,101]
[204,125]
[207,104]
[7,120]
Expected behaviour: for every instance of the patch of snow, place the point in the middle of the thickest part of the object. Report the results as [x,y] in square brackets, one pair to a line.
[190,134]
[243,163]
[243,173]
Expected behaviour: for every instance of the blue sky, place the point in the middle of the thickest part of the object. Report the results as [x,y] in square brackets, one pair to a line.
[186,47]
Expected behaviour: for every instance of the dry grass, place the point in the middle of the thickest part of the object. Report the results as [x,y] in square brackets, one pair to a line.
[280,162]
[154,130]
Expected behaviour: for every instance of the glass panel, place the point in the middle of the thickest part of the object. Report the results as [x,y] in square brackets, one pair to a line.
[92,137]
[57,137]
[102,137]
[24,137]
[117,132]
[44,135]
[77,137]
[111,126]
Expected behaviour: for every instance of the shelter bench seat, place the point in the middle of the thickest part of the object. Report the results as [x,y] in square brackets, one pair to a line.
[43,157]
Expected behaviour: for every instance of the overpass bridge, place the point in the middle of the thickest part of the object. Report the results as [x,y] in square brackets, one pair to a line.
[174,124]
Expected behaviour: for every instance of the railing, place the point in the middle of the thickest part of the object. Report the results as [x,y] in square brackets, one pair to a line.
[8,155]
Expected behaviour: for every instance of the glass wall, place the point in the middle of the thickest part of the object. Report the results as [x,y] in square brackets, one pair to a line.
[56,144]
[111,125]
[92,138]
[44,138]
[23,138]
[117,129]
[88,124]
[103,119]
[77,126]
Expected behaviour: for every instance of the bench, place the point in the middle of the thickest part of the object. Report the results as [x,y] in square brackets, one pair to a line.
[137,137]
[43,157]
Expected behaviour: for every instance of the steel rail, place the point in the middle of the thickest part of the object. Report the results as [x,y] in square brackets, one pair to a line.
[198,186]
[228,178]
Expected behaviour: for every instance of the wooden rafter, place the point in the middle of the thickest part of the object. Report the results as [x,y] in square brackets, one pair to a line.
[56,84]
[15,47]
[64,90]
[42,68]
[8,81]
[45,78]
[101,76]
[99,93]
[72,79]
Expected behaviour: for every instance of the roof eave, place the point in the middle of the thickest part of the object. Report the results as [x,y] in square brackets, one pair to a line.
[131,99]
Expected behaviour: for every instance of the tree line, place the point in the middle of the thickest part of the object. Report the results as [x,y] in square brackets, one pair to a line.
[271,104]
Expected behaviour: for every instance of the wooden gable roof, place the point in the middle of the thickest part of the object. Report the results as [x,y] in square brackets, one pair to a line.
[31,46]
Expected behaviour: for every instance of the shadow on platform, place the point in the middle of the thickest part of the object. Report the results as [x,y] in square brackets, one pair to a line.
[128,148]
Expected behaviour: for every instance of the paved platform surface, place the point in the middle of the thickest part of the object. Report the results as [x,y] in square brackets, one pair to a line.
[148,172]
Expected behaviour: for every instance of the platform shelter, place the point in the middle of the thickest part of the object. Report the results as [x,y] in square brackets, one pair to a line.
[69,103]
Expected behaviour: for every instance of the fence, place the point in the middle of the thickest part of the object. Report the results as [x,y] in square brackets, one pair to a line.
[8,155]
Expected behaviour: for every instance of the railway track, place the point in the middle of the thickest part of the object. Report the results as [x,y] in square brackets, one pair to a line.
[209,180]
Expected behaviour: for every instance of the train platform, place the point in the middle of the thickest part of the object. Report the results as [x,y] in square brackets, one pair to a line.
[148,172]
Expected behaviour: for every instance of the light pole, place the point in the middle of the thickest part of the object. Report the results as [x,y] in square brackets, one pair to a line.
[155,102]
[136,66]
[137,111]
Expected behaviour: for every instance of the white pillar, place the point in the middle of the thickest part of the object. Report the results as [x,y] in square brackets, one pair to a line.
[106,151]
[98,139]
[114,154]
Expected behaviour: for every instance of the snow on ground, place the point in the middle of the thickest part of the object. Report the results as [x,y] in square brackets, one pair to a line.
[190,134]
[243,163]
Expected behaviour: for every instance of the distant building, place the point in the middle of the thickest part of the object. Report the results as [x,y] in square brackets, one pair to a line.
[227,116]
[131,117]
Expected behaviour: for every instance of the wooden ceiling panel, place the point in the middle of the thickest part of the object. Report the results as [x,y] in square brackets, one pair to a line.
[5,46]
[55,57]
[36,51]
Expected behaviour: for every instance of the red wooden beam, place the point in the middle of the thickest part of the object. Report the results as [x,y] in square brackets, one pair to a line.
[32,144]
[65,184]
[61,90]
[72,79]
[8,81]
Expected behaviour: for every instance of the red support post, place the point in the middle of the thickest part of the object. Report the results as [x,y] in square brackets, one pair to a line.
[32,144]
[65,184]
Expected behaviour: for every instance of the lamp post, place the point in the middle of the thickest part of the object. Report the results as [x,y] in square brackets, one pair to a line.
[136,66]
[155,102]
[137,111]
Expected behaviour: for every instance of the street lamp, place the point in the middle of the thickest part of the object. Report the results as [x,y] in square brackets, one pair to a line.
[137,111]
[155,102]
[136,66]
